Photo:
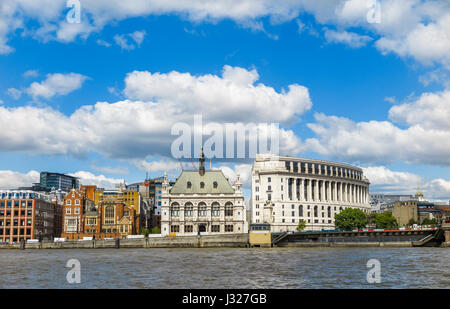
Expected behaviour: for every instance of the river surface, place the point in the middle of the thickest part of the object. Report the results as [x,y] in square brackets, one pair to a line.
[227,268]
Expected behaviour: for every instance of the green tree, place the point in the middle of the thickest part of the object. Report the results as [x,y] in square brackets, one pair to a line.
[145,231]
[156,230]
[350,219]
[385,220]
[428,221]
[412,222]
[301,225]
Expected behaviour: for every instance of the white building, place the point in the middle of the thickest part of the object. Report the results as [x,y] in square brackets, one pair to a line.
[202,201]
[286,190]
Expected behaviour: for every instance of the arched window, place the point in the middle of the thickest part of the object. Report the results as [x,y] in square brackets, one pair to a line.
[201,209]
[188,209]
[189,184]
[228,209]
[202,185]
[175,210]
[215,209]
[109,215]
[215,184]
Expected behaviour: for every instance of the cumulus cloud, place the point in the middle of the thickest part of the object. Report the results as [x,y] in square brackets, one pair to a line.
[384,180]
[56,85]
[13,180]
[243,170]
[424,140]
[31,73]
[14,93]
[235,89]
[351,39]
[87,178]
[141,128]
[130,41]
[410,28]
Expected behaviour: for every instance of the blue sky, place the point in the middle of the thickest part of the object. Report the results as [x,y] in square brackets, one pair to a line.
[377,94]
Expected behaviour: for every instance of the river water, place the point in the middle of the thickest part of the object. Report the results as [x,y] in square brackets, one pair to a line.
[227,268]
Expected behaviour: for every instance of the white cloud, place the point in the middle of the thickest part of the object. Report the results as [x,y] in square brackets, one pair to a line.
[424,140]
[130,41]
[351,39]
[31,73]
[55,85]
[141,129]
[236,89]
[87,178]
[13,180]
[384,180]
[103,43]
[243,170]
[14,93]
[409,28]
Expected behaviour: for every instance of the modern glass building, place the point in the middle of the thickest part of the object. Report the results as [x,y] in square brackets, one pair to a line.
[58,181]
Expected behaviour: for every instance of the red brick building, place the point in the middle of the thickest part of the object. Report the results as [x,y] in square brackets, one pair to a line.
[26,215]
[111,218]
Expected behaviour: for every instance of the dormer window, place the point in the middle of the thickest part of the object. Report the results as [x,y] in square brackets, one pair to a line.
[189,185]
[202,185]
[215,184]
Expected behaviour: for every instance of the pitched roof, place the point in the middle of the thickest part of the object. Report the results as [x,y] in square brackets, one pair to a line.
[194,177]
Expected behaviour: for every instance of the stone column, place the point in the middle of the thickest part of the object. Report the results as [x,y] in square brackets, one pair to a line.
[309,190]
[302,189]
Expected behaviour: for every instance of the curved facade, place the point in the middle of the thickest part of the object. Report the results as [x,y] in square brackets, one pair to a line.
[286,190]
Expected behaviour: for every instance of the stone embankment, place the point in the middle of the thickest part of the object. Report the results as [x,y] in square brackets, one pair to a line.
[204,241]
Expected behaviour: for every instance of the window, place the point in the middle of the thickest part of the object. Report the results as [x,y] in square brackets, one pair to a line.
[69,202]
[71,225]
[68,211]
[109,215]
[202,185]
[215,184]
[269,197]
[77,210]
[315,211]
[189,185]
[215,209]
[175,210]
[269,188]
[77,202]
[215,228]
[229,228]
[228,209]
[201,209]
[188,228]
[188,210]
[174,228]
[269,179]
[300,210]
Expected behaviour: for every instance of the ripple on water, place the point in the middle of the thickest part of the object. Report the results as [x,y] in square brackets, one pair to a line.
[228,268]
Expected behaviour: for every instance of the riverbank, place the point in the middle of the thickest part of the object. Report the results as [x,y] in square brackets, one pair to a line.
[204,241]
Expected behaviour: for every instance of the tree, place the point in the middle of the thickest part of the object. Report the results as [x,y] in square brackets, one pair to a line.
[350,219]
[428,221]
[412,222]
[145,231]
[301,225]
[385,220]
[156,230]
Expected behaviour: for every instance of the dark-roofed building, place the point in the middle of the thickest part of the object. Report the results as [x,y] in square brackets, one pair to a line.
[202,201]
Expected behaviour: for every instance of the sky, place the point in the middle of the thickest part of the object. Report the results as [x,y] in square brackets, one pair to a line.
[94,88]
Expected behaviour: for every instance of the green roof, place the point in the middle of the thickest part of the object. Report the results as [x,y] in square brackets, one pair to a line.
[194,177]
